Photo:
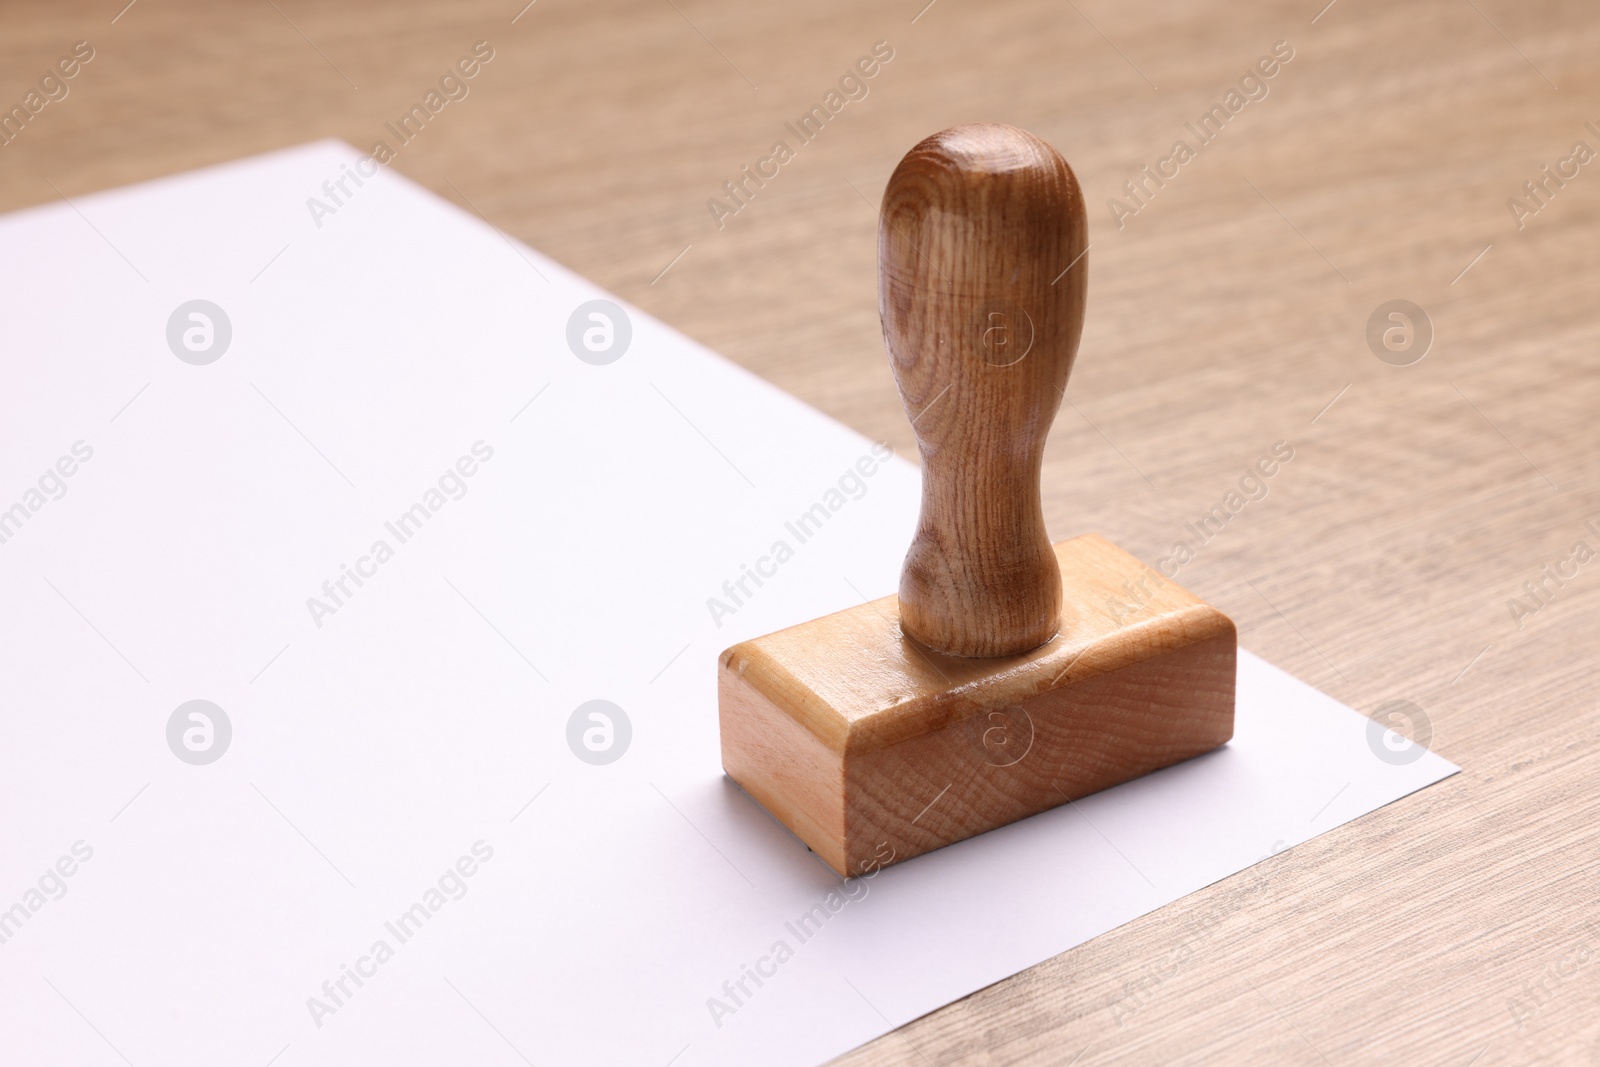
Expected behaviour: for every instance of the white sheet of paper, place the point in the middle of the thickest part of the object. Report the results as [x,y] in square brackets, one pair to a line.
[376,745]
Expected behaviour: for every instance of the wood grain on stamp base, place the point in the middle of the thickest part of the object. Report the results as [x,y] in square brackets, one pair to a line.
[981,317]
[873,749]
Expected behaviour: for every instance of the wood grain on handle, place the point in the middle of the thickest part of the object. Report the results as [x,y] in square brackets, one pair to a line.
[981,317]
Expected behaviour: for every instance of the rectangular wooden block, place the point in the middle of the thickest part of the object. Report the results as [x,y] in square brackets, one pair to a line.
[874,749]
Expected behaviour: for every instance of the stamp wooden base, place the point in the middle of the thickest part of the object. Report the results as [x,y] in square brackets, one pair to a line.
[874,749]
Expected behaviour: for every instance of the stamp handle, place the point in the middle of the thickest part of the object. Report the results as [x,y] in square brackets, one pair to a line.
[981,281]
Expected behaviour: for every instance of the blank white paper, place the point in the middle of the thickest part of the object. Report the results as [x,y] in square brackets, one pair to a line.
[399,772]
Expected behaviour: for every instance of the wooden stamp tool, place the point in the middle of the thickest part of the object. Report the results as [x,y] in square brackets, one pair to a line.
[1009,675]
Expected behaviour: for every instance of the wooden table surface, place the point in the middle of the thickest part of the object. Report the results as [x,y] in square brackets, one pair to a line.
[1228,312]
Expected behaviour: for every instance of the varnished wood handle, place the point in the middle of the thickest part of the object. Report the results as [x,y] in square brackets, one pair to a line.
[981,317]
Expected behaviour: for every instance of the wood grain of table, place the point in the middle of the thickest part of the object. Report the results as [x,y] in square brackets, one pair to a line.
[1229,313]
